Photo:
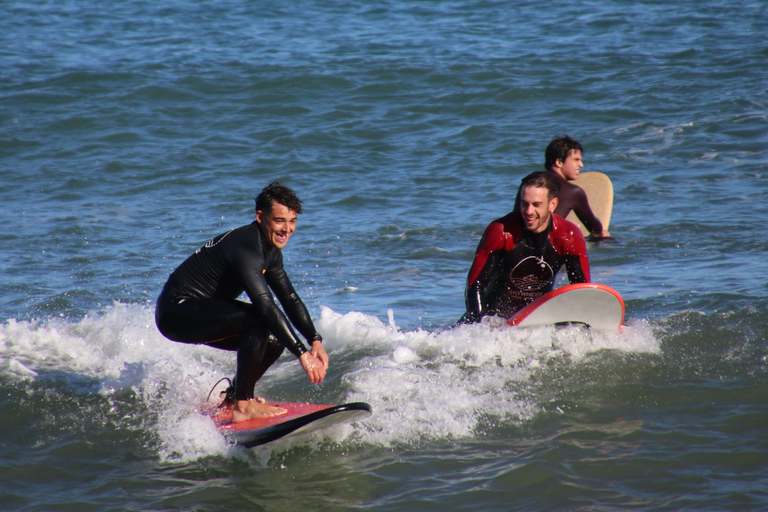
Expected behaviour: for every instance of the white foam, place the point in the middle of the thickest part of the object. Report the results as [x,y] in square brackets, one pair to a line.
[425,385]
[421,385]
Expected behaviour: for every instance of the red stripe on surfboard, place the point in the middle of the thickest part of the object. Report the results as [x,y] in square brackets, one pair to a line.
[223,417]
[533,306]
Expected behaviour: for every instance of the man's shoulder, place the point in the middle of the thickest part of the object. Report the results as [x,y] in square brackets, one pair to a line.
[511,218]
[566,231]
[250,232]
[571,188]
[504,231]
[235,236]
[511,222]
[245,242]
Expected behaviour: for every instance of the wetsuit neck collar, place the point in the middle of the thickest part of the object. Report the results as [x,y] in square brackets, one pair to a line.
[537,239]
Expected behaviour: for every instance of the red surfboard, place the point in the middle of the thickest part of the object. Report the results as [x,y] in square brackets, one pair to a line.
[595,305]
[300,418]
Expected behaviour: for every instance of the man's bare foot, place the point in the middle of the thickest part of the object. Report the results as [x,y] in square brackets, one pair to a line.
[255,408]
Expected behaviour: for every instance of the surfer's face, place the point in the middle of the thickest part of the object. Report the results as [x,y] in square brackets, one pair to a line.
[278,224]
[572,165]
[536,208]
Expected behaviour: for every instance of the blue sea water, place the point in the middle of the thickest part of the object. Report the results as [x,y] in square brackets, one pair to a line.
[133,132]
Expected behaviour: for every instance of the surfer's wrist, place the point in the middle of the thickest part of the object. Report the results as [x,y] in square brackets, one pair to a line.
[302,350]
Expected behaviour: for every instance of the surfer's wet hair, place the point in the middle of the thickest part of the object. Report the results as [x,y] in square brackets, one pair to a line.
[275,192]
[541,179]
[560,148]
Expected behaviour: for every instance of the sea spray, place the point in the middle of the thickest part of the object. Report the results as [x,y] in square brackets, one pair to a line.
[422,385]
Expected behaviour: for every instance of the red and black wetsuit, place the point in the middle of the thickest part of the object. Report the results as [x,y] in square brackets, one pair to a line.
[572,197]
[199,304]
[514,266]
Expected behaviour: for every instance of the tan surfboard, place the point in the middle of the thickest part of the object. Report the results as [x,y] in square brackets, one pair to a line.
[599,191]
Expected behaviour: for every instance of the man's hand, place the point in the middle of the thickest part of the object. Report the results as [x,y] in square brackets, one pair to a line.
[315,363]
[319,352]
[596,237]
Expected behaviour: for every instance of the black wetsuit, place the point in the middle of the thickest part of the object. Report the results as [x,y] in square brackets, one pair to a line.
[199,304]
[572,197]
[514,266]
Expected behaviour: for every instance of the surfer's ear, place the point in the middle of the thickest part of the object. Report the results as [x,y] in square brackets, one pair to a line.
[553,204]
[258,216]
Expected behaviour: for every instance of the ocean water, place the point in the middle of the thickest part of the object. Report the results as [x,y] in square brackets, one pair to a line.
[133,132]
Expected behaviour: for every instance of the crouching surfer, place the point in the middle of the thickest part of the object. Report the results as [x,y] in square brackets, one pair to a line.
[521,253]
[199,302]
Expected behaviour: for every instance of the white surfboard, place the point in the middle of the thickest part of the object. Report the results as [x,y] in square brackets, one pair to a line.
[599,190]
[595,305]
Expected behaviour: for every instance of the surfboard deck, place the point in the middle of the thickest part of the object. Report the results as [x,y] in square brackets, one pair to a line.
[595,305]
[599,190]
[300,418]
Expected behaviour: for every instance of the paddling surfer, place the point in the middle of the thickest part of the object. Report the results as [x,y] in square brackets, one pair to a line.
[563,159]
[521,253]
[199,302]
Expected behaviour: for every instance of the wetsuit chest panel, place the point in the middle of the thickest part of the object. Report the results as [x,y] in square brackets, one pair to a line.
[528,271]
[532,267]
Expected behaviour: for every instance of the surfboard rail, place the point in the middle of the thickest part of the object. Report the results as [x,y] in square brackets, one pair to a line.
[596,305]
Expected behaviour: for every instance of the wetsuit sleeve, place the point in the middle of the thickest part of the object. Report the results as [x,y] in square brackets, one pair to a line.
[584,212]
[487,259]
[275,320]
[250,266]
[576,259]
[293,305]
[475,298]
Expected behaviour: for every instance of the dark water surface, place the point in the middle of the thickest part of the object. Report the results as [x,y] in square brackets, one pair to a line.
[131,133]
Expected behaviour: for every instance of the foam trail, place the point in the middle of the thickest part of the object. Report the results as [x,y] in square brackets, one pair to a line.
[425,385]
[122,350]
[421,385]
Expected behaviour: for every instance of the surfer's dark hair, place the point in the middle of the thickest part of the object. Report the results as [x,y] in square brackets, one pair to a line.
[560,148]
[541,179]
[275,192]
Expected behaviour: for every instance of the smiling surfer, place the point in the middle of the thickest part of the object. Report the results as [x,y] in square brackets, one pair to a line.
[199,302]
[521,253]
